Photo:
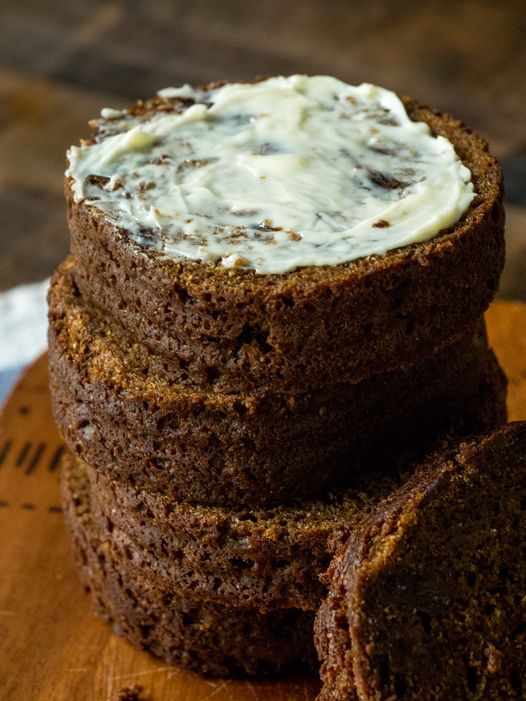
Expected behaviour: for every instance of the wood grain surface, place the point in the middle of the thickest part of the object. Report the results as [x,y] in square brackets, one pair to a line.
[51,647]
[61,62]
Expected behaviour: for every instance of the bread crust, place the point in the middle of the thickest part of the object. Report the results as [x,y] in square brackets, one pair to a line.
[117,410]
[238,330]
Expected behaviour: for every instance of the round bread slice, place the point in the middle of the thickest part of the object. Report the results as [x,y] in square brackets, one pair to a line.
[427,598]
[211,638]
[259,558]
[315,326]
[118,410]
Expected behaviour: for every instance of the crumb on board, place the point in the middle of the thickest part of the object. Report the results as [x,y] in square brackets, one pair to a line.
[132,693]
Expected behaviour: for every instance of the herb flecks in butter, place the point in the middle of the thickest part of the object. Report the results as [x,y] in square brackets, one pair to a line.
[274,175]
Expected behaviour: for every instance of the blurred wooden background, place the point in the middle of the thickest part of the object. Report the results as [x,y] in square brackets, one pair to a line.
[60,62]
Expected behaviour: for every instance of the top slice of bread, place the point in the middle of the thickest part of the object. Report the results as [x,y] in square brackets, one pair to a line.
[235,330]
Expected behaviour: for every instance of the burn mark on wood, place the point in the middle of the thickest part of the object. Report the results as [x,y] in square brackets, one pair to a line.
[55,458]
[4,451]
[33,463]
[22,454]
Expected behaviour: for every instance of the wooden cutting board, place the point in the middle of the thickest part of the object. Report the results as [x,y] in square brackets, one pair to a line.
[51,647]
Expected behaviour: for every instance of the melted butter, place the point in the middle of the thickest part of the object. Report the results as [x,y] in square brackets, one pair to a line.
[272,176]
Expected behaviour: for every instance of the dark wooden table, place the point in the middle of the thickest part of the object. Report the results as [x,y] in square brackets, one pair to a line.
[60,62]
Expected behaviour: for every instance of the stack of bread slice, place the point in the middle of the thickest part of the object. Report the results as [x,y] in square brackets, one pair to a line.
[227,430]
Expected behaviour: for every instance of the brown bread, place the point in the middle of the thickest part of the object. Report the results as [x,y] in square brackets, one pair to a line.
[260,558]
[316,326]
[211,638]
[119,412]
[427,597]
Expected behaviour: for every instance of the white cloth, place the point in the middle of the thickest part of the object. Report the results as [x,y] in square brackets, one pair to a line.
[23,329]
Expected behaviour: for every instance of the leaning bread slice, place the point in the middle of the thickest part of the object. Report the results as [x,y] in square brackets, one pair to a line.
[427,598]
[310,325]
